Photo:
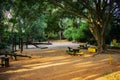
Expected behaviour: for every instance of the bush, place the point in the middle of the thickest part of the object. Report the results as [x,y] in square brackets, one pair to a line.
[78,34]
[68,33]
[52,36]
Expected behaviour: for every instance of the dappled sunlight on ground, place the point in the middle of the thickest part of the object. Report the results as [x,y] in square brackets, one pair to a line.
[111,76]
[56,64]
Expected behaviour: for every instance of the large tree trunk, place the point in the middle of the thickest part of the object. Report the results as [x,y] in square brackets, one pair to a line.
[99,37]
[101,44]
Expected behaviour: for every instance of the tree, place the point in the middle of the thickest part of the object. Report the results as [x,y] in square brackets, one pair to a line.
[37,30]
[5,6]
[76,30]
[98,13]
[53,16]
[27,18]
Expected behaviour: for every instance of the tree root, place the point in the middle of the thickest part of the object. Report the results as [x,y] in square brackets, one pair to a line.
[108,51]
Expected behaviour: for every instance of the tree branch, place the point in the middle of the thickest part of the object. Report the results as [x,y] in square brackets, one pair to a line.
[70,11]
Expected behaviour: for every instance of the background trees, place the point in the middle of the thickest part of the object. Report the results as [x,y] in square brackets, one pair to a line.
[77,30]
[4,17]
[42,18]
[98,13]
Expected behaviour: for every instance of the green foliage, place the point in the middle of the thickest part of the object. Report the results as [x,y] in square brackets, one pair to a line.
[81,33]
[28,19]
[52,35]
[98,14]
[40,18]
[68,33]
[5,6]
[75,34]
[53,16]
[36,30]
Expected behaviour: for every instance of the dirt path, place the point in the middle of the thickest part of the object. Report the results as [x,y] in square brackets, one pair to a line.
[54,64]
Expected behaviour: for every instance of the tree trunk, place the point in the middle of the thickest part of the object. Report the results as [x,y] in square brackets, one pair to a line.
[101,44]
[99,37]
[60,34]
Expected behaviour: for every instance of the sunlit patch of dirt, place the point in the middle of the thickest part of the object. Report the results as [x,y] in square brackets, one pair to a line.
[55,64]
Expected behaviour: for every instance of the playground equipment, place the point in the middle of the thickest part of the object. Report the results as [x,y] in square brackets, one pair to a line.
[115,44]
[110,59]
[92,49]
[4,61]
[74,51]
[11,50]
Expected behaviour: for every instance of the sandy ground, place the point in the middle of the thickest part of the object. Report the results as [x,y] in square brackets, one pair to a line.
[53,63]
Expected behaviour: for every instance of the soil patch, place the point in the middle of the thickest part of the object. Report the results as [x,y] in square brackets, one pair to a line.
[54,63]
